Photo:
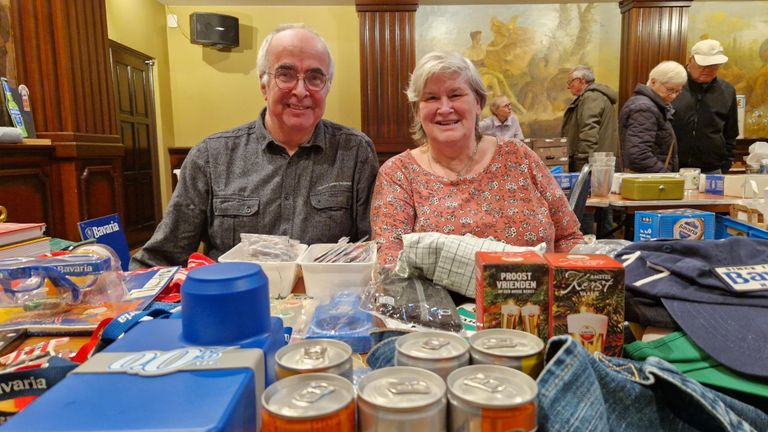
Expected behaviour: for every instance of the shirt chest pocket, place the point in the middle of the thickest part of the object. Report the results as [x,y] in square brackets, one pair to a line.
[332,199]
[235,206]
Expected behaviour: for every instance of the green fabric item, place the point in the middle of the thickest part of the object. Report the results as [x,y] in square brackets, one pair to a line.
[682,353]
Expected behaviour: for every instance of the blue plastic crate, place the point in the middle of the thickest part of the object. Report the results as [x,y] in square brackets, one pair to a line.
[727,226]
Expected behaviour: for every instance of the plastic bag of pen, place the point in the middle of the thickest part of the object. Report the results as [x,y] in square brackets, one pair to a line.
[410,302]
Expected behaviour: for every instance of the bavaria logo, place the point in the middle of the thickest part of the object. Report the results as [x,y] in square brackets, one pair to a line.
[96,232]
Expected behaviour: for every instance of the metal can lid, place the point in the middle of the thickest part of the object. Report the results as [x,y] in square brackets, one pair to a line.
[401,387]
[491,386]
[313,354]
[506,343]
[308,395]
[431,345]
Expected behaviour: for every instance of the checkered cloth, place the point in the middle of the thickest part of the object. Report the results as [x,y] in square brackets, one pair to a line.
[449,260]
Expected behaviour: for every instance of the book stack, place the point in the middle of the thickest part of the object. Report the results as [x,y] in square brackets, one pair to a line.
[23,240]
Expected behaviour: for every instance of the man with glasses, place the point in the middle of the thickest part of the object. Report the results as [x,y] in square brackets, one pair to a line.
[287,173]
[706,116]
[503,123]
[590,125]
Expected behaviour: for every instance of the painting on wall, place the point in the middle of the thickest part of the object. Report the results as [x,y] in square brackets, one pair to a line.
[743,32]
[7,52]
[524,52]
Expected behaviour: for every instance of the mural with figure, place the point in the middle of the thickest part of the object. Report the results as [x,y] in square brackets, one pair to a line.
[524,52]
[743,31]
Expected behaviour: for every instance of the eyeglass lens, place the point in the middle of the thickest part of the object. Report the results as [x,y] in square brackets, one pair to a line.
[287,78]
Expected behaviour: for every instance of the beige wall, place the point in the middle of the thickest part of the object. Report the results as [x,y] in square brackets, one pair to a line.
[201,90]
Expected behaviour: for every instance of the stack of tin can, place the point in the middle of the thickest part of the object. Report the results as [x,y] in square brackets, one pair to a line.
[432,386]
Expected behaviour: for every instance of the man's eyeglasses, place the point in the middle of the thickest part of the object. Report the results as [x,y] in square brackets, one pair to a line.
[507,106]
[288,78]
[570,81]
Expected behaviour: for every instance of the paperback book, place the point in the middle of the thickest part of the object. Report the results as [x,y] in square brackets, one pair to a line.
[12,232]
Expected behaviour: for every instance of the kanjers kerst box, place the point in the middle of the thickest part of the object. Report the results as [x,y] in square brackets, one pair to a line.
[587,300]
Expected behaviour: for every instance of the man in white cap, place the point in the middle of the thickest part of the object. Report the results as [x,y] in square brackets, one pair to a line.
[705,118]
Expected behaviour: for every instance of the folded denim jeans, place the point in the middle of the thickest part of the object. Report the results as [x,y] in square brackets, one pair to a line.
[583,392]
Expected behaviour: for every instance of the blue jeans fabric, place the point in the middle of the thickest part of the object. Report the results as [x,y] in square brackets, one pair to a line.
[582,392]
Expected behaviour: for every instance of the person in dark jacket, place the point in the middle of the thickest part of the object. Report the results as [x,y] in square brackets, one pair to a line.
[647,138]
[706,119]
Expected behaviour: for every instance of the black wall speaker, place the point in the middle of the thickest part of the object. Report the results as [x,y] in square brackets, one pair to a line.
[210,29]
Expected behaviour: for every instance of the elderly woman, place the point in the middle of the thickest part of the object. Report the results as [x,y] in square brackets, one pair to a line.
[459,181]
[647,138]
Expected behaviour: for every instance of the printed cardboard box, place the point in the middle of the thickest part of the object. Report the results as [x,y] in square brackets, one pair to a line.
[587,293]
[685,224]
[512,291]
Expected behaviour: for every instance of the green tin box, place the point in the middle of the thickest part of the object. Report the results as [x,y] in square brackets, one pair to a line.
[652,188]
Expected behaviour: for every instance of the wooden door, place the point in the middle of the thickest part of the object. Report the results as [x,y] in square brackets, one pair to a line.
[134,100]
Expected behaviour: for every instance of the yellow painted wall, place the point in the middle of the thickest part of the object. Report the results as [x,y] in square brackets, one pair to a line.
[201,90]
[140,24]
[215,90]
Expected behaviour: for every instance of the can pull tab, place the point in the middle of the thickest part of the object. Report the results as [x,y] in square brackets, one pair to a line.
[314,353]
[313,392]
[434,343]
[409,387]
[498,343]
[485,383]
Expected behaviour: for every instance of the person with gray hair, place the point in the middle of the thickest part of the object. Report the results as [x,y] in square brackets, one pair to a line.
[648,143]
[459,181]
[289,172]
[502,123]
[589,125]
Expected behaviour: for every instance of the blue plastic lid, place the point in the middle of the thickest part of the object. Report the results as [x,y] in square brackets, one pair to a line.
[225,304]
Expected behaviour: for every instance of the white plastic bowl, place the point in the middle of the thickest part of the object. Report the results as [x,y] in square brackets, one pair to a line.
[322,280]
[282,275]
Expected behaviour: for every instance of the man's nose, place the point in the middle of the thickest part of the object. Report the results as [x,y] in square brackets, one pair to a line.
[300,89]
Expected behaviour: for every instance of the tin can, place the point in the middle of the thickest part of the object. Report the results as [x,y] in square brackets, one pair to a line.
[491,398]
[314,355]
[512,348]
[401,399]
[441,353]
[307,403]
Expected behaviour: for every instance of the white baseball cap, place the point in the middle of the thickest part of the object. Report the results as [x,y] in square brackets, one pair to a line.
[708,52]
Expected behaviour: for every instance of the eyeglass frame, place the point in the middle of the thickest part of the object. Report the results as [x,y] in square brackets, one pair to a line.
[570,81]
[302,76]
[671,92]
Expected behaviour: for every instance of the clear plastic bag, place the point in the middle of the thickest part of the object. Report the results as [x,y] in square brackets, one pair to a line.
[270,248]
[411,302]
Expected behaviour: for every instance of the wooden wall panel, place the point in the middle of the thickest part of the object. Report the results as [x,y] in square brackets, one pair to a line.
[387,57]
[24,184]
[63,59]
[651,31]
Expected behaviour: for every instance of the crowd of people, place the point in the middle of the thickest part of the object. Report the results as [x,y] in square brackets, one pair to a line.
[291,172]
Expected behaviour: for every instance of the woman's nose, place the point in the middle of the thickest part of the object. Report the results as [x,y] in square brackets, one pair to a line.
[445,105]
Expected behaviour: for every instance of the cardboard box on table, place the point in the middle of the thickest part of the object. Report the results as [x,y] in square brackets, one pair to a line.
[179,382]
[686,224]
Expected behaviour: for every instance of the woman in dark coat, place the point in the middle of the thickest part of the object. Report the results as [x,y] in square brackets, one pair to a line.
[648,142]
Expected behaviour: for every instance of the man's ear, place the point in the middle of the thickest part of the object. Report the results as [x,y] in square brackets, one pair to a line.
[263,87]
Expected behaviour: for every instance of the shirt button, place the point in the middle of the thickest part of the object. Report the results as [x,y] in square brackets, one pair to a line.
[287,197]
[247,210]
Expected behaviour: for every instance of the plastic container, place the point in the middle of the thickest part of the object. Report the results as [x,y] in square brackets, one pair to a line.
[282,275]
[323,280]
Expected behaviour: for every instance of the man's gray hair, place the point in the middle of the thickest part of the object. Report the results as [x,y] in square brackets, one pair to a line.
[261,58]
[668,72]
[441,63]
[583,72]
